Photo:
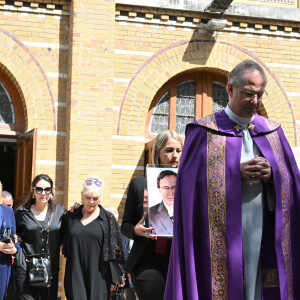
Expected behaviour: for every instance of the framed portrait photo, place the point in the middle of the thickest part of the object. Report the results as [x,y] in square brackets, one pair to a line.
[161,183]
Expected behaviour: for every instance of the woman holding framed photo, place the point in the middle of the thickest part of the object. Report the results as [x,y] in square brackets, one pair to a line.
[149,257]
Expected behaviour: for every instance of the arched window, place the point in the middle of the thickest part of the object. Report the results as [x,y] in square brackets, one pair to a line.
[160,117]
[185,104]
[7,114]
[12,115]
[185,98]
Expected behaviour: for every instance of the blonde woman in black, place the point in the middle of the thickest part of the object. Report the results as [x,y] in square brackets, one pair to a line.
[149,258]
[92,241]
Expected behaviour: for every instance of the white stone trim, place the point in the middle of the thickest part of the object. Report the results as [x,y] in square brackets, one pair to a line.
[46,45]
[284,66]
[293,94]
[41,12]
[60,104]
[127,167]
[118,196]
[235,9]
[129,138]
[133,52]
[188,26]
[52,133]
[56,75]
[171,28]
[121,80]
[50,162]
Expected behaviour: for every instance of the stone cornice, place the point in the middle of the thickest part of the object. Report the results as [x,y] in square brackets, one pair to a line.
[192,19]
[36,6]
[236,9]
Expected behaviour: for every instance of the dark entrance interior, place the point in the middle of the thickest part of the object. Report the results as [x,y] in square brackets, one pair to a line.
[8,164]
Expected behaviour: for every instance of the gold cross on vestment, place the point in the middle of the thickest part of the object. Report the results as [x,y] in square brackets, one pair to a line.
[237,127]
[251,126]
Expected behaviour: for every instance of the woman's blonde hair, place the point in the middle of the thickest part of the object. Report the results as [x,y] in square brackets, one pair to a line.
[93,187]
[160,141]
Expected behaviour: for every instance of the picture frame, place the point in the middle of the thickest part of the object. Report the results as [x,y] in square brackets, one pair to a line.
[161,198]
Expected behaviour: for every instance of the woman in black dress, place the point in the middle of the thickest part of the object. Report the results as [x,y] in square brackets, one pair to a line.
[33,220]
[92,240]
[148,259]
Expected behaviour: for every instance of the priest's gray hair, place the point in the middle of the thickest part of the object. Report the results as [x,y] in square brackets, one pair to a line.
[236,76]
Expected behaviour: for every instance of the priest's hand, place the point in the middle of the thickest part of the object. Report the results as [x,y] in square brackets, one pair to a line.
[141,230]
[266,170]
[257,168]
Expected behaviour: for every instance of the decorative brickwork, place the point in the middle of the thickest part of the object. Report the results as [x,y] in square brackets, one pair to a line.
[87,73]
[31,80]
[218,56]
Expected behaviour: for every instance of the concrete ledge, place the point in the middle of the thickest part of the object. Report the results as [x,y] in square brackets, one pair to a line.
[236,9]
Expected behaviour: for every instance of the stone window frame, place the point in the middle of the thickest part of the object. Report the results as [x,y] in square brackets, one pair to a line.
[204,80]
[19,118]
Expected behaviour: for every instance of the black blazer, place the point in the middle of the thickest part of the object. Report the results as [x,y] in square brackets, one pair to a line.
[29,230]
[132,215]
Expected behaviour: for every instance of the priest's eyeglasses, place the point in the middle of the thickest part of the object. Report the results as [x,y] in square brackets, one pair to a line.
[39,190]
[168,188]
[250,95]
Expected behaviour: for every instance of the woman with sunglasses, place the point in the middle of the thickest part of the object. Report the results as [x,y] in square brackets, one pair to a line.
[149,258]
[37,221]
[92,242]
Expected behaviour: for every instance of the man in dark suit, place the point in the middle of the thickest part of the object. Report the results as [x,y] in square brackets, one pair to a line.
[161,214]
[8,200]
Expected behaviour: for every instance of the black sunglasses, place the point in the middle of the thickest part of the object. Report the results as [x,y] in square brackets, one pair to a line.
[39,190]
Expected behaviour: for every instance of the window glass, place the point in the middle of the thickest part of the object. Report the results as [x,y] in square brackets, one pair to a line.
[186,99]
[7,115]
[185,105]
[160,117]
[220,97]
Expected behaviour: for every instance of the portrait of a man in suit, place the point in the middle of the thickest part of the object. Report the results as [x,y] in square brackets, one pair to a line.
[161,214]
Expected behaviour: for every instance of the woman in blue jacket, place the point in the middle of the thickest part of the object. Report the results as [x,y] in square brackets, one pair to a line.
[7,249]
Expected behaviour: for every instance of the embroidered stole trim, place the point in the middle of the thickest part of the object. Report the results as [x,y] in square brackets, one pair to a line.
[274,141]
[208,121]
[217,213]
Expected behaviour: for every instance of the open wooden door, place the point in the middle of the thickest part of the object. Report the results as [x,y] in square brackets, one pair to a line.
[26,158]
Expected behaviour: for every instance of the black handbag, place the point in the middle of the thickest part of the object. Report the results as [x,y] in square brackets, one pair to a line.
[39,265]
[39,270]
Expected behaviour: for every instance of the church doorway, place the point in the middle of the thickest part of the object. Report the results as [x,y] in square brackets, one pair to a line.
[8,160]
[17,145]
